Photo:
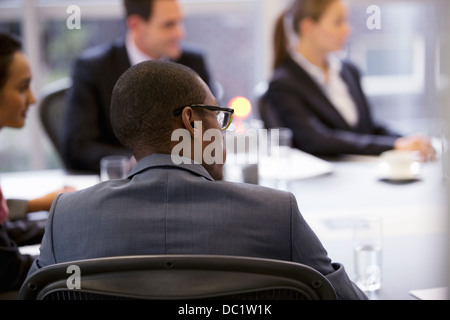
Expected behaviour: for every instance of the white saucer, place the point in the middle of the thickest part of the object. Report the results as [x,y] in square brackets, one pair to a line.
[385,173]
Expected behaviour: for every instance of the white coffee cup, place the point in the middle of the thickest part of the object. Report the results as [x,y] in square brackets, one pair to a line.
[400,165]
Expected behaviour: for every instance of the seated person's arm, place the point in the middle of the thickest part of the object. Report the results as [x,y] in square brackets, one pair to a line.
[419,144]
[19,208]
[315,255]
[313,136]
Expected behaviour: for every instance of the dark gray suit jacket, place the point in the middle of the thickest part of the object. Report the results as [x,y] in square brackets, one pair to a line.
[162,208]
[299,103]
[87,132]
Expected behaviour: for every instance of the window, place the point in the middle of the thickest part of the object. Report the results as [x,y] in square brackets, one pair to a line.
[400,62]
[235,23]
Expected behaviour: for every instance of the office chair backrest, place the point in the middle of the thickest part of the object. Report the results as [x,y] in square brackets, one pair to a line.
[177,277]
[265,107]
[51,110]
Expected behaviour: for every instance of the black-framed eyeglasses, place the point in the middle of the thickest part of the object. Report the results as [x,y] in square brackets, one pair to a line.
[224,115]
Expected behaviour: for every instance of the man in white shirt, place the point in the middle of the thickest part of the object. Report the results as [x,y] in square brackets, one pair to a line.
[155,30]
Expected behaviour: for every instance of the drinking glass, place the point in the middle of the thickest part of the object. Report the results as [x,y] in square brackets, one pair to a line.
[242,155]
[114,167]
[280,152]
[367,245]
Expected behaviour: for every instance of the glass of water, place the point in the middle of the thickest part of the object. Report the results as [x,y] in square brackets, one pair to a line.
[281,140]
[114,167]
[367,245]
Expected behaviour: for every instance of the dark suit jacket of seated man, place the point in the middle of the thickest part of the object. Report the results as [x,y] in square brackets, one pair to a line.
[168,208]
[87,132]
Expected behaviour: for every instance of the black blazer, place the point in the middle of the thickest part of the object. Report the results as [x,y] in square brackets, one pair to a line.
[14,265]
[299,103]
[88,135]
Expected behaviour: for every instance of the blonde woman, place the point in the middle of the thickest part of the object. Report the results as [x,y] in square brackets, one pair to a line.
[318,95]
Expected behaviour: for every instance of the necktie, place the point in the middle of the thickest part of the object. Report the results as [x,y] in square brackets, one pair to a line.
[3,208]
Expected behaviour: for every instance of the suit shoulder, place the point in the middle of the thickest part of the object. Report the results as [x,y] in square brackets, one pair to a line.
[102,52]
[257,192]
[190,50]
[351,66]
[288,76]
[289,70]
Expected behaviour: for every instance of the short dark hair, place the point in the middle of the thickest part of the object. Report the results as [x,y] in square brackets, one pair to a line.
[142,8]
[144,98]
[9,44]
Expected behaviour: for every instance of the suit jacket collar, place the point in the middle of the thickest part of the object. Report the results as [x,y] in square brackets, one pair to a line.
[358,98]
[313,90]
[165,161]
[123,60]
[135,55]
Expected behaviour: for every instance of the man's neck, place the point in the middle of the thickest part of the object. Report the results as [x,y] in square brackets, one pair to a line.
[136,51]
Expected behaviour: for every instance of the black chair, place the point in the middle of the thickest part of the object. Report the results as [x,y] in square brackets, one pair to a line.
[51,110]
[265,108]
[179,277]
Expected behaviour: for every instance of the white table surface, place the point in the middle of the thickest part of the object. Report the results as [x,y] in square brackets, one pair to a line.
[415,221]
[415,238]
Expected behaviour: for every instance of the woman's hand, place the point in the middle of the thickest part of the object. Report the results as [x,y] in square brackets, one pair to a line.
[419,144]
[45,202]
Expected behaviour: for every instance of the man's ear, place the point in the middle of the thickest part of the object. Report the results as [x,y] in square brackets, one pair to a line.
[189,117]
[134,22]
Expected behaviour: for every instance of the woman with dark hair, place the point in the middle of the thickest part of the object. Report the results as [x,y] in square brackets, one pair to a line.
[15,98]
[318,95]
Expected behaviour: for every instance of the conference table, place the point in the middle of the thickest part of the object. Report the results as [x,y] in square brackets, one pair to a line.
[415,243]
[414,214]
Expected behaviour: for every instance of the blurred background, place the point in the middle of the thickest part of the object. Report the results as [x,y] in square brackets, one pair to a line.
[402,62]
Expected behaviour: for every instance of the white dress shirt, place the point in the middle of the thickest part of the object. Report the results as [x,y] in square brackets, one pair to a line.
[334,87]
[134,54]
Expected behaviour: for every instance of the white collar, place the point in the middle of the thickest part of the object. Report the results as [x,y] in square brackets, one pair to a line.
[134,54]
[334,63]
[335,88]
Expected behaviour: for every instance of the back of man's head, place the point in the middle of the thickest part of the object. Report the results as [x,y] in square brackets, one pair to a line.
[143,100]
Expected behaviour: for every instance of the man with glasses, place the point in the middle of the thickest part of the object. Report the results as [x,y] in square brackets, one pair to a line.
[165,208]
[155,30]
[224,115]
